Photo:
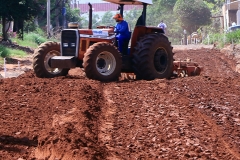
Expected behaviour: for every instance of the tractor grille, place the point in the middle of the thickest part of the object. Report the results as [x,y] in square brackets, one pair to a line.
[70,42]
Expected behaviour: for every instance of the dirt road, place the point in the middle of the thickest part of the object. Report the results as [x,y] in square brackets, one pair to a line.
[72,118]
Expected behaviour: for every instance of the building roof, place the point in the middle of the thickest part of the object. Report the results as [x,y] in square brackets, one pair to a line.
[129,2]
[100,7]
[86,1]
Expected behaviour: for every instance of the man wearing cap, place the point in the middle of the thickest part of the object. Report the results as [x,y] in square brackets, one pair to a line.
[122,31]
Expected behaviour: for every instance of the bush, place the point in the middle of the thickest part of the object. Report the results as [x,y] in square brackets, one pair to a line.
[40,32]
[220,39]
[8,52]
[36,38]
[29,26]
[31,39]
[217,38]
[4,52]
[233,37]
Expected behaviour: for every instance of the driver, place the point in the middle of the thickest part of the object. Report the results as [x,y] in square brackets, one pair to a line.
[122,31]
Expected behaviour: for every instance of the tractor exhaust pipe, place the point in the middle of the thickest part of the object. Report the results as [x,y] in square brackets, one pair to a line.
[90,16]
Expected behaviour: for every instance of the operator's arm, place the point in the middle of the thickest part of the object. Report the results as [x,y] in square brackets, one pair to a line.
[116,28]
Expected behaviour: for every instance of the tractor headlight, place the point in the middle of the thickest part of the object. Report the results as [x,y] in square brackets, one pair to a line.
[65,44]
[73,45]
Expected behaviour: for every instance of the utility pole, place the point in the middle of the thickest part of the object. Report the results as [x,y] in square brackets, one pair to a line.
[185,37]
[48,18]
[64,14]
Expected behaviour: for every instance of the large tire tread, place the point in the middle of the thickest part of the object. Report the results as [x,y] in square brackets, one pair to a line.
[89,61]
[143,57]
[38,60]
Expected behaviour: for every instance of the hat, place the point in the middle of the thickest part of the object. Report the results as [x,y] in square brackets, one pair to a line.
[118,17]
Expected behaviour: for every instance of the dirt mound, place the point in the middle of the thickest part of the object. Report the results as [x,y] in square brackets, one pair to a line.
[73,117]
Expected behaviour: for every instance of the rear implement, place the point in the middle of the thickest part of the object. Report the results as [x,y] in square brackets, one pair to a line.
[186,68]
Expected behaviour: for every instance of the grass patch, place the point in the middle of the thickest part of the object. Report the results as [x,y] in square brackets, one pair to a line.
[8,52]
[31,40]
[233,37]
[24,43]
[4,52]
[17,53]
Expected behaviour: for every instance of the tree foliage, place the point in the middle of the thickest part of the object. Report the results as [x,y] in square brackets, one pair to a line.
[18,11]
[96,21]
[188,14]
[131,17]
[168,4]
[56,11]
[73,15]
[107,19]
[192,14]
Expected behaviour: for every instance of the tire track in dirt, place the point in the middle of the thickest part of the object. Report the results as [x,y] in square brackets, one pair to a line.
[216,130]
[107,122]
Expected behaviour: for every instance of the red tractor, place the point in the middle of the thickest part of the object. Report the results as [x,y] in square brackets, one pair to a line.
[148,56]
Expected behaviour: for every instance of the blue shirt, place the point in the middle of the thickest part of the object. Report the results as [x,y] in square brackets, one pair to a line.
[162,25]
[122,29]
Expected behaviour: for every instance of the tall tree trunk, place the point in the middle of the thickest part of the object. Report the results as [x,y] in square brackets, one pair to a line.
[20,31]
[4,29]
[18,27]
[57,17]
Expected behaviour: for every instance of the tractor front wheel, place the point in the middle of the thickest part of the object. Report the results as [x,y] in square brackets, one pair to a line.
[41,58]
[102,62]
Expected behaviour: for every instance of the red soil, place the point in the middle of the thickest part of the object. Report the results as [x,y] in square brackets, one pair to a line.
[76,118]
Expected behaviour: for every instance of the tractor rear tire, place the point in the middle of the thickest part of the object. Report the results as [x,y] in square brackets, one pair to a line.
[41,58]
[153,57]
[102,62]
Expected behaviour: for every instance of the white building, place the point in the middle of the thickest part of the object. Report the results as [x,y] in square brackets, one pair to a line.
[231,13]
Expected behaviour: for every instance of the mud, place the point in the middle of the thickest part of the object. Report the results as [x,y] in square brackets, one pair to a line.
[76,118]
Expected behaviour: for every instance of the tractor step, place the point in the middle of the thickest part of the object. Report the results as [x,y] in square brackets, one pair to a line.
[63,62]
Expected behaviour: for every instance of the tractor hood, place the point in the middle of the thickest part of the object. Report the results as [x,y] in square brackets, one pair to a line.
[130,2]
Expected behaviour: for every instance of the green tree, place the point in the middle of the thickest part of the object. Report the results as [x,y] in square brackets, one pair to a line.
[73,15]
[84,23]
[107,19]
[131,17]
[56,8]
[192,14]
[95,20]
[168,4]
[18,11]
[216,9]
